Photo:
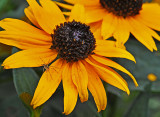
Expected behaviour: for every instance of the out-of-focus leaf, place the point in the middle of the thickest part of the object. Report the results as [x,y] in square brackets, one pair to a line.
[6,90]
[147,62]
[3,3]
[139,107]
[12,107]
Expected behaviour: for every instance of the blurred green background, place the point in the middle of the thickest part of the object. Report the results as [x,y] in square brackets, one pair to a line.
[144,101]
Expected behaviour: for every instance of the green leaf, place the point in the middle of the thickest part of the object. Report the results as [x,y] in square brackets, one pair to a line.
[146,62]
[139,107]
[25,80]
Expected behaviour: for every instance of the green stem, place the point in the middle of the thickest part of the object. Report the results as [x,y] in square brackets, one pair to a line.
[35,113]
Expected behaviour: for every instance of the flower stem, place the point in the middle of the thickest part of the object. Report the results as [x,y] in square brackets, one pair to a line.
[35,113]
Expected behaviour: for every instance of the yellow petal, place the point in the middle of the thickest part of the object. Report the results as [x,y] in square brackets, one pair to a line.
[150,24]
[113,64]
[109,76]
[26,37]
[95,14]
[30,58]
[109,51]
[150,19]
[122,32]
[78,14]
[105,43]
[10,24]
[46,16]
[142,33]
[80,79]
[109,24]
[48,84]
[29,13]
[70,91]
[96,88]
[50,8]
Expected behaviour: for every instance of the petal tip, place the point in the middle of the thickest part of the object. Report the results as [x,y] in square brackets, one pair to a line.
[128,92]
[5,66]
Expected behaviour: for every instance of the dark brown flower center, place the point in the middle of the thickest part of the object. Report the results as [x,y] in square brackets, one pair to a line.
[73,41]
[123,8]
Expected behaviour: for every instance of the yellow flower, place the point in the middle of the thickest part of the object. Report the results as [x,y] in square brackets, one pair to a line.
[121,17]
[152,77]
[80,63]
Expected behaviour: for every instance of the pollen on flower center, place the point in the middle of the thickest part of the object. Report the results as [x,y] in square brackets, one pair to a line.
[123,7]
[73,41]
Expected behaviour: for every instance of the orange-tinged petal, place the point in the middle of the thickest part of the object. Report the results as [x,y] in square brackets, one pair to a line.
[30,58]
[70,91]
[48,83]
[29,13]
[88,3]
[26,39]
[142,33]
[80,79]
[78,13]
[96,30]
[122,32]
[67,13]
[113,64]
[113,52]
[96,88]
[66,6]
[109,24]
[23,45]
[110,76]
[46,16]
[94,26]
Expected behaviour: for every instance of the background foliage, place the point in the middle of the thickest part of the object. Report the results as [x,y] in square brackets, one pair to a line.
[17,86]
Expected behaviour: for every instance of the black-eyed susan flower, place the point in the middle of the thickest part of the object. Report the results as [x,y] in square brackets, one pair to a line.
[121,17]
[81,62]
